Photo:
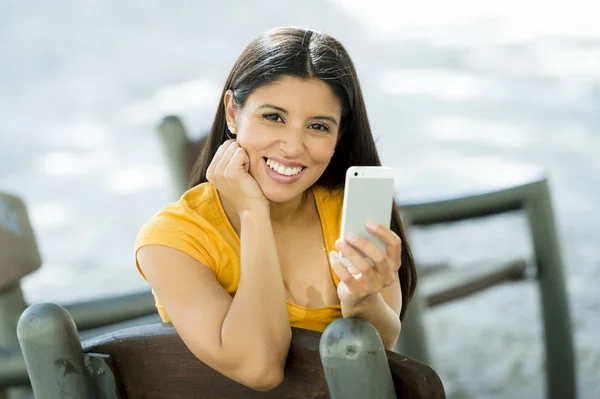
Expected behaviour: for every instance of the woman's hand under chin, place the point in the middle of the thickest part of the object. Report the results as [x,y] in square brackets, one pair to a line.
[228,172]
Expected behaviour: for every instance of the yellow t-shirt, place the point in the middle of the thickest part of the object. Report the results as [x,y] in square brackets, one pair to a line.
[197,225]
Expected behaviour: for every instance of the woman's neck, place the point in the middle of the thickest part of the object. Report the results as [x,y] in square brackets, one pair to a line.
[287,213]
[283,214]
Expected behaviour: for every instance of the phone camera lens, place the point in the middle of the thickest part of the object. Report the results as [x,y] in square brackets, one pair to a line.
[355,173]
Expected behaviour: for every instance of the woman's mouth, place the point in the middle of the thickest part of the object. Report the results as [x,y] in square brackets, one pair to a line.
[282,169]
[281,173]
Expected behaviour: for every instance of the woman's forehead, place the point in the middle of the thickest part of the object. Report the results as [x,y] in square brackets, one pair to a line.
[297,95]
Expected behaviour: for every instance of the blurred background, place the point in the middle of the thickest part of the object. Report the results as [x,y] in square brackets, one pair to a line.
[463,96]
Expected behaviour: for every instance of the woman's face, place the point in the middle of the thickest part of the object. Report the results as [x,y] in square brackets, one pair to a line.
[289,129]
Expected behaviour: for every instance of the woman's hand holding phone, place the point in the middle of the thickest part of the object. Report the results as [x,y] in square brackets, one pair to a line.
[371,269]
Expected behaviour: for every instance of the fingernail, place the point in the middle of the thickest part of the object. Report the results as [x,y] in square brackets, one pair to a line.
[345,262]
[372,225]
[352,237]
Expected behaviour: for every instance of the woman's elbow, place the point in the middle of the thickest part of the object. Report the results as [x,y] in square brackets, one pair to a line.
[260,367]
[265,371]
[263,377]
[393,338]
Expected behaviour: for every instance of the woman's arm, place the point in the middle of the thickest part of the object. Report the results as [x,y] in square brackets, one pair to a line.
[247,337]
[259,309]
[369,284]
[382,310]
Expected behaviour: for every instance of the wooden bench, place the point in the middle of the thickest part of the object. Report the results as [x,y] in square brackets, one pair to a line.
[346,361]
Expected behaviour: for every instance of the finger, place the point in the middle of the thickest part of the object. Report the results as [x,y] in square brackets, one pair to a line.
[226,158]
[237,163]
[385,267]
[368,249]
[246,161]
[348,265]
[392,242]
[217,157]
[344,275]
[354,257]
[222,148]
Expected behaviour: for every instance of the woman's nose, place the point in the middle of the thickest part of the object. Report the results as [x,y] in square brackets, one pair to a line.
[292,144]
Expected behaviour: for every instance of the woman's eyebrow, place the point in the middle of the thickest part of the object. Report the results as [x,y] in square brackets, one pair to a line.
[326,118]
[274,107]
[319,117]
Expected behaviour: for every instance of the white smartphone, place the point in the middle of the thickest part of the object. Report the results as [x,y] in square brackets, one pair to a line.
[368,196]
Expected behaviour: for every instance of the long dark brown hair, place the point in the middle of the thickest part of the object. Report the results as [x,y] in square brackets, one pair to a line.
[307,54]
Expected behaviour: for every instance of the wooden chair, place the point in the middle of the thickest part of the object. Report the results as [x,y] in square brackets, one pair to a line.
[346,361]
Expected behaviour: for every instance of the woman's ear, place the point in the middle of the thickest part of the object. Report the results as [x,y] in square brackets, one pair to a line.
[230,111]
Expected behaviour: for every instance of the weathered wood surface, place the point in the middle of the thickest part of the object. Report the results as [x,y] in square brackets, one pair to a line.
[153,362]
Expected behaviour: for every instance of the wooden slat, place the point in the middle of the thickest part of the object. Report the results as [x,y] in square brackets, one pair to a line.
[153,362]
[426,269]
[19,254]
[413,379]
[449,285]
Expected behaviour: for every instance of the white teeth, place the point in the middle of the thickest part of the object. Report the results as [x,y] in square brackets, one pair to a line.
[282,170]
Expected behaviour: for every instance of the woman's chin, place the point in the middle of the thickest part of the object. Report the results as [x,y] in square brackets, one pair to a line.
[281,193]
[281,196]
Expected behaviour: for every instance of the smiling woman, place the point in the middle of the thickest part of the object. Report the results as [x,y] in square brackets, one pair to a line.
[243,255]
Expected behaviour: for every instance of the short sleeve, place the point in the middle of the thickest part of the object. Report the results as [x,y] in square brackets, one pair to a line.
[191,237]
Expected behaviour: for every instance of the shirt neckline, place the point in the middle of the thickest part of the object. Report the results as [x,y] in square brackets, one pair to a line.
[325,228]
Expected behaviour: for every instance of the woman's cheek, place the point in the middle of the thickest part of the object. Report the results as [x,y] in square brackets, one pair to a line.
[324,152]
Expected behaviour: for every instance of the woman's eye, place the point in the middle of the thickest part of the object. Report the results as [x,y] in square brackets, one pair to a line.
[319,127]
[273,117]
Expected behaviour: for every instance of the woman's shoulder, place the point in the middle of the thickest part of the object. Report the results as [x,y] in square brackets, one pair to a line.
[187,224]
[196,204]
[194,212]
[199,195]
